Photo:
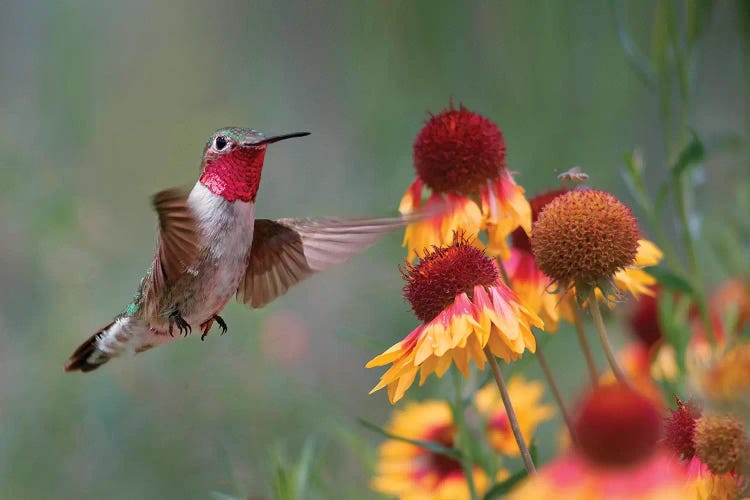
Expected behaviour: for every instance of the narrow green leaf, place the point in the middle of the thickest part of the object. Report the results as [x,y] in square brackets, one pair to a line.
[534,452]
[504,487]
[428,445]
[660,36]
[633,176]
[302,471]
[692,154]
[217,495]
[671,281]
[633,55]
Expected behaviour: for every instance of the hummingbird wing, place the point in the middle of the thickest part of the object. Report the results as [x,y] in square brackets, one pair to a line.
[178,243]
[286,251]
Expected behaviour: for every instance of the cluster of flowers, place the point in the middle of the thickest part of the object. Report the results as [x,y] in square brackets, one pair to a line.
[491,266]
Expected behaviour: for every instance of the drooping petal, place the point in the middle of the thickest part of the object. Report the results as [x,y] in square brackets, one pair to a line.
[505,209]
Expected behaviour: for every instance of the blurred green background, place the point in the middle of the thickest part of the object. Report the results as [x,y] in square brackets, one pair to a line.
[103,104]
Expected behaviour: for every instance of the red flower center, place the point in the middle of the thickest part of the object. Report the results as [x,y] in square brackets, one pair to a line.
[680,429]
[443,273]
[617,426]
[457,151]
[644,320]
[435,463]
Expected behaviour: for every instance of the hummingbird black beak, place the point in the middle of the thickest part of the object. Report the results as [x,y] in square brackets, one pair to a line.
[277,138]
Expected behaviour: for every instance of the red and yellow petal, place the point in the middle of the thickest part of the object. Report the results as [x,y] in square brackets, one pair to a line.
[459,214]
[505,208]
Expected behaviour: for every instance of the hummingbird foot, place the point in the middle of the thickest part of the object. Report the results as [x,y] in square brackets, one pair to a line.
[206,327]
[182,325]
[222,323]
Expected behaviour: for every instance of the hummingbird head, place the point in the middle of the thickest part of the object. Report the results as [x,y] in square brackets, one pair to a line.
[233,161]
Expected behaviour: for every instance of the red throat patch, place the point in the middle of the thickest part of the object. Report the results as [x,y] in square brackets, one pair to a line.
[236,175]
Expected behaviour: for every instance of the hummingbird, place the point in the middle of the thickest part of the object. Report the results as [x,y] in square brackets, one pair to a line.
[210,247]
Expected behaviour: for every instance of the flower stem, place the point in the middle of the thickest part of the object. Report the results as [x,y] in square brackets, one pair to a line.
[556,393]
[606,345]
[585,345]
[459,421]
[543,362]
[525,455]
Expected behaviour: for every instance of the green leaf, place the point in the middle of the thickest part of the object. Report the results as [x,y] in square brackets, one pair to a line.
[428,445]
[217,495]
[692,154]
[633,54]
[303,468]
[506,486]
[671,281]
[634,179]
[534,452]
[673,318]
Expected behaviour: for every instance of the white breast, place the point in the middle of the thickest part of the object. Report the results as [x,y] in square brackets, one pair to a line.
[227,234]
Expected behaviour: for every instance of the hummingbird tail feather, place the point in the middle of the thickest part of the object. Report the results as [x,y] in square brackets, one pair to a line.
[88,356]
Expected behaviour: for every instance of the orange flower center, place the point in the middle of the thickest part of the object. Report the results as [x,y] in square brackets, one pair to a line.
[458,151]
[519,237]
[584,237]
[443,273]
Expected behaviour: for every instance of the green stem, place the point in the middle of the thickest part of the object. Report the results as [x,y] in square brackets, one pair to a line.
[695,276]
[604,338]
[525,455]
[459,420]
[588,356]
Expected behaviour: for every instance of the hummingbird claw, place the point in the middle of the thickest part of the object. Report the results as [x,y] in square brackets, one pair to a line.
[222,323]
[182,325]
[206,327]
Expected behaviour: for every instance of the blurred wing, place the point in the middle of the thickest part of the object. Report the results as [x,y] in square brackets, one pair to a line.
[178,244]
[286,251]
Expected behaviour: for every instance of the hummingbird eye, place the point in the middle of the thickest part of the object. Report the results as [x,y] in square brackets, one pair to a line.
[220,142]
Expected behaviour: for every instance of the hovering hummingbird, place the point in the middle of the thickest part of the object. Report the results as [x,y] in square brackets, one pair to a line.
[210,247]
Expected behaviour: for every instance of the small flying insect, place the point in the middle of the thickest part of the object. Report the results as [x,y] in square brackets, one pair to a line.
[573,177]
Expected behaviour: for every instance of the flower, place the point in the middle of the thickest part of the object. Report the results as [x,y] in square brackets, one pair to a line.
[411,472]
[680,429]
[705,485]
[617,426]
[644,318]
[460,156]
[618,457]
[533,286]
[526,397]
[529,282]
[633,278]
[636,361]
[721,443]
[731,303]
[728,379]
[583,237]
[464,306]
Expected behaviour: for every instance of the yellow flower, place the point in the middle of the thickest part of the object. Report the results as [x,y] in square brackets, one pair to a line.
[728,379]
[464,307]
[460,156]
[414,473]
[634,279]
[535,289]
[526,397]
[704,485]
